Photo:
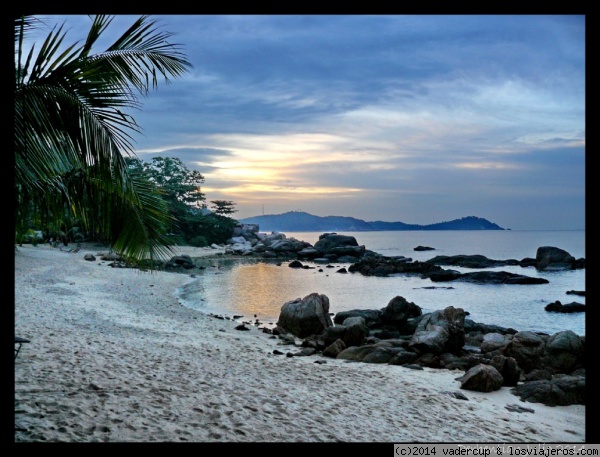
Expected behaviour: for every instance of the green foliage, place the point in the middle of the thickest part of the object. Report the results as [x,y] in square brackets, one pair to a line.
[213,227]
[223,207]
[198,241]
[72,133]
[181,190]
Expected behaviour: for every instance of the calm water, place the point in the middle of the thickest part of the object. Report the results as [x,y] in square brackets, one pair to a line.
[249,287]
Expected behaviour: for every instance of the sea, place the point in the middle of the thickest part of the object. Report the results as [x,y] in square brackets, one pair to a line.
[254,290]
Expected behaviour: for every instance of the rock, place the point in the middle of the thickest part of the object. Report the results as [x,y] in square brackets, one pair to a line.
[527,349]
[519,409]
[381,354]
[398,311]
[572,307]
[440,331]
[494,341]
[372,317]
[508,368]
[552,258]
[481,378]
[487,277]
[328,241]
[356,331]
[334,349]
[180,261]
[431,340]
[403,357]
[469,261]
[423,248]
[559,391]
[564,352]
[309,316]
[456,394]
[356,353]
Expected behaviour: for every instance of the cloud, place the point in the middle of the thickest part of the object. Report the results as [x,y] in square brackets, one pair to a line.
[379,116]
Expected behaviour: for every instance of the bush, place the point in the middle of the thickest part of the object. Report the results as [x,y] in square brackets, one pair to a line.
[213,228]
[198,242]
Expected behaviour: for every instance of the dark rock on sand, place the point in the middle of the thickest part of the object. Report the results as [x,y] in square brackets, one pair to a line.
[307,316]
[561,390]
[481,378]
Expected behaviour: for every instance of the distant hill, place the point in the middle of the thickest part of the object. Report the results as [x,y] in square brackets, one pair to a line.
[298,221]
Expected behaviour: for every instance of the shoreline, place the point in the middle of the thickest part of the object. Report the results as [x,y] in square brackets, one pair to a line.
[114,356]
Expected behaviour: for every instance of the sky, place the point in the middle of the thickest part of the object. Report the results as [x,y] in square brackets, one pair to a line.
[411,118]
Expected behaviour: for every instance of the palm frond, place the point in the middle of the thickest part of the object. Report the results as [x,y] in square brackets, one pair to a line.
[72,132]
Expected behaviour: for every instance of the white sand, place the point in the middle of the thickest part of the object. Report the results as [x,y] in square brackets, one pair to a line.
[115,357]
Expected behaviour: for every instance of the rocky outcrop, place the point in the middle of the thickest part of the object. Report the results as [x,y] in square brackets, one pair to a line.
[542,368]
[547,258]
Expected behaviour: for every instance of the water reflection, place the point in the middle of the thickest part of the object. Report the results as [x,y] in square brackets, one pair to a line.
[260,287]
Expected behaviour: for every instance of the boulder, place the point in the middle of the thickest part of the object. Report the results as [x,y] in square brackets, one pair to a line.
[328,241]
[446,328]
[372,317]
[559,391]
[527,349]
[564,352]
[356,331]
[398,311]
[508,368]
[307,316]
[552,258]
[494,341]
[558,307]
[481,378]
[334,349]
[180,261]
[432,340]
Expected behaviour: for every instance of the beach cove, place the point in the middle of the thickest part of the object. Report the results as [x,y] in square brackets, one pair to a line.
[115,357]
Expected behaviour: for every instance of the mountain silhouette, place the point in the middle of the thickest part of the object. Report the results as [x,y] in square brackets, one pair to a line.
[299,221]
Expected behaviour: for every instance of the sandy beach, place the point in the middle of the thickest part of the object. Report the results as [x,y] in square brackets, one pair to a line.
[114,357]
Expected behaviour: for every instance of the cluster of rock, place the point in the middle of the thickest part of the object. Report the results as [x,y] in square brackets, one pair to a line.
[246,240]
[331,247]
[540,368]
[547,258]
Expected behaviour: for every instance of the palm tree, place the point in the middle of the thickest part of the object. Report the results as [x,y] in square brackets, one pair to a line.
[72,133]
